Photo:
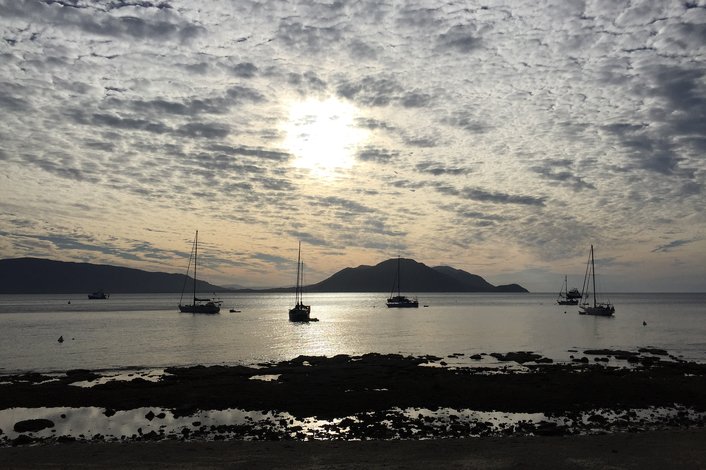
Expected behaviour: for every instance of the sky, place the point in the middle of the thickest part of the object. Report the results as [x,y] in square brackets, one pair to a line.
[498,137]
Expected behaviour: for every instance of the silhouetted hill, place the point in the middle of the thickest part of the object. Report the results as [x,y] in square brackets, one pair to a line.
[477,282]
[473,281]
[415,277]
[42,276]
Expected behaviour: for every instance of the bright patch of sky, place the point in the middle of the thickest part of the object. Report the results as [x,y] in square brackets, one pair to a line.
[498,137]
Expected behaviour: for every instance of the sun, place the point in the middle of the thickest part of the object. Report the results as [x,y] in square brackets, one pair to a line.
[322,135]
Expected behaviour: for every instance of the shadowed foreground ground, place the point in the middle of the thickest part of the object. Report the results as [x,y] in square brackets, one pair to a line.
[362,397]
[647,450]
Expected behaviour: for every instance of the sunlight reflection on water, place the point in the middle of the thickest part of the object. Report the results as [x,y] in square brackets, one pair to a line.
[91,423]
[146,331]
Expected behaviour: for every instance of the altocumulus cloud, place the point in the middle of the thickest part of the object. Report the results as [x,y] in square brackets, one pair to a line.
[493,128]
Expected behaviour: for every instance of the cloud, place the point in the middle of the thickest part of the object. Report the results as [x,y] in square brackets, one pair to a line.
[244,70]
[500,198]
[306,82]
[466,121]
[202,130]
[307,38]
[667,247]
[371,91]
[96,22]
[377,155]
[157,107]
[346,205]
[438,170]
[487,128]
[552,171]
[13,103]
[458,39]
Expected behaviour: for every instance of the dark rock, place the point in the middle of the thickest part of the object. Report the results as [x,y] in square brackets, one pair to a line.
[33,425]
[546,428]
[649,361]
[617,353]
[21,440]
[150,415]
[518,356]
[109,412]
[656,351]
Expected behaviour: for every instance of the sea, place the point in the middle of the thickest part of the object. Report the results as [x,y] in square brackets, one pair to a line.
[146,331]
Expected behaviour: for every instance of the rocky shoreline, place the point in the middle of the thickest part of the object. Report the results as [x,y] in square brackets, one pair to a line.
[373,396]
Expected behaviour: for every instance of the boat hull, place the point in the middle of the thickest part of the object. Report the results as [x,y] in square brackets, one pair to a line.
[402,302]
[568,302]
[98,296]
[300,313]
[606,310]
[208,308]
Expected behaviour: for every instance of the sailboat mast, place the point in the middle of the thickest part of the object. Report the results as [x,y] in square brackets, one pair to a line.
[593,273]
[196,254]
[399,281]
[296,289]
[566,286]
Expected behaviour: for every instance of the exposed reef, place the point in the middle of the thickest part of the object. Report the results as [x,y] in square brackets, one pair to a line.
[375,395]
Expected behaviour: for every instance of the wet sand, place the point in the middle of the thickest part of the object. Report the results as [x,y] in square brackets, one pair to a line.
[648,450]
[362,397]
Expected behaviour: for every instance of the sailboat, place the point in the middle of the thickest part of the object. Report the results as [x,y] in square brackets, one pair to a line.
[566,296]
[98,295]
[198,305]
[604,309]
[399,300]
[300,312]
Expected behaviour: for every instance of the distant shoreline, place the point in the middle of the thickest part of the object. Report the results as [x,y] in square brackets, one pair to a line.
[36,275]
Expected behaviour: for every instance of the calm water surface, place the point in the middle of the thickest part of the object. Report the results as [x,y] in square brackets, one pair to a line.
[146,330]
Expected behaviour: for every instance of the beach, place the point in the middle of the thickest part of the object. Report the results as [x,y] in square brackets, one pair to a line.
[374,410]
[683,449]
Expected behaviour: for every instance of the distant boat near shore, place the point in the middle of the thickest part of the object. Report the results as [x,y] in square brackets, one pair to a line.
[566,296]
[399,300]
[98,295]
[208,305]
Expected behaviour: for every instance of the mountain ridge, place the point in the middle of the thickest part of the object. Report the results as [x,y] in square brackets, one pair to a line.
[43,276]
[414,277]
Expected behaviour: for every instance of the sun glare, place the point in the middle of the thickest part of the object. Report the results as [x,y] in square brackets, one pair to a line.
[322,135]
